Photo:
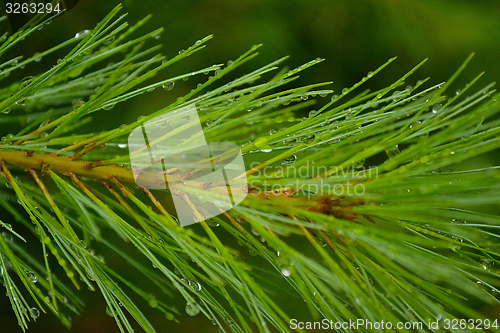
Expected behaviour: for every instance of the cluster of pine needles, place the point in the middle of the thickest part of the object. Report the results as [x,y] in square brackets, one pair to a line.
[388,230]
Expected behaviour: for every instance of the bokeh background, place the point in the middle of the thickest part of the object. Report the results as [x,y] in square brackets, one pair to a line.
[354,36]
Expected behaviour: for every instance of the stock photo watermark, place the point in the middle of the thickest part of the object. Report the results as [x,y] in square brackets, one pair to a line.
[309,179]
[21,12]
[170,152]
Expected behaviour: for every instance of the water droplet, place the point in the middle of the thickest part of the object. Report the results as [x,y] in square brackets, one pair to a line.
[266,149]
[486,264]
[312,113]
[393,152]
[6,110]
[153,302]
[230,62]
[192,309]
[289,160]
[370,74]
[255,232]
[334,98]
[78,105]
[81,33]
[37,57]
[196,286]
[109,312]
[396,96]
[210,222]
[169,316]
[345,90]
[309,139]
[35,313]
[285,271]
[168,85]
[25,82]
[21,101]
[181,51]
[304,97]
[436,108]
[32,276]
[409,88]
[108,106]
[109,40]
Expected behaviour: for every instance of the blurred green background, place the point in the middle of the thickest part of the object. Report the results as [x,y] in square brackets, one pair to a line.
[354,37]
